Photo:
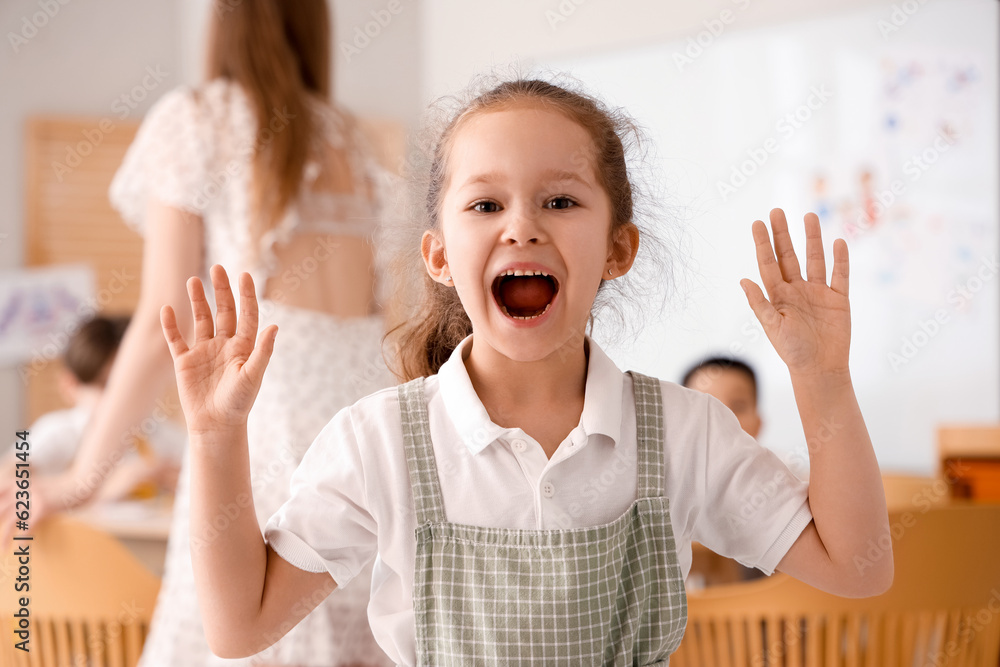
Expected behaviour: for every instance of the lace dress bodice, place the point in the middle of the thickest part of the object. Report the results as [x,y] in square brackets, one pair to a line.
[195,152]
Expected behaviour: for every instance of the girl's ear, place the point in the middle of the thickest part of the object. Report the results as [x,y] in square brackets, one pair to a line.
[624,246]
[435,258]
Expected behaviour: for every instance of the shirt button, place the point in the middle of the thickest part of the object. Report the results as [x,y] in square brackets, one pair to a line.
[519,445]
[548,489]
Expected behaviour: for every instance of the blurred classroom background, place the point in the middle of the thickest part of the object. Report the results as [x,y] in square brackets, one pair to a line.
[880,116]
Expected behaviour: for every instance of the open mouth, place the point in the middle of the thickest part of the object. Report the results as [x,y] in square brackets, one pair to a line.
[524,294]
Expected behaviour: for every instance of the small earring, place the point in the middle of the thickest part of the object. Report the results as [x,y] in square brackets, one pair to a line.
[447,279]
[609,272]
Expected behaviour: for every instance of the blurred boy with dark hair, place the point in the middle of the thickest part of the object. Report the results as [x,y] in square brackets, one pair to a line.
[56,435]
[731,381]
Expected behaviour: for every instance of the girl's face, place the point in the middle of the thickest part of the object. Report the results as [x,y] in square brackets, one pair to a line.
[525,230]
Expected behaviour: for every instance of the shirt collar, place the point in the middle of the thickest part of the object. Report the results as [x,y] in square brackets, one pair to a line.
[602,403]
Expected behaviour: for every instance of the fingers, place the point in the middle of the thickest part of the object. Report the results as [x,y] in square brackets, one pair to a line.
[770,274]
[248,309]
[175,341]
[257,361]
[225,305]
[200,310]
[226,322]
[841,267]
[761,307]
[787,260]
[815,257]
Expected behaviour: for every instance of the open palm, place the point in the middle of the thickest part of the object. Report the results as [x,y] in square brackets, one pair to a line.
[218,377]
[807,321]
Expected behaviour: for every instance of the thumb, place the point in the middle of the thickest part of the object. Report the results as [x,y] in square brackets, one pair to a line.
[762,308]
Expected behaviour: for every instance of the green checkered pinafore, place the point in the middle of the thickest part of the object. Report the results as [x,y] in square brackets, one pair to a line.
[605,595]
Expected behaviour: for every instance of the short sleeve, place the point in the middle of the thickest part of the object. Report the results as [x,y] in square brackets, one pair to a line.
[754,506]
[325,524]
[167,161]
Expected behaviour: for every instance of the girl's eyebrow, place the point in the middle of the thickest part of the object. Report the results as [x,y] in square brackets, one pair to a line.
[549,176]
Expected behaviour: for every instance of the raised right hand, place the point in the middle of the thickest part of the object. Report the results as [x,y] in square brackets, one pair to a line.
[218,377]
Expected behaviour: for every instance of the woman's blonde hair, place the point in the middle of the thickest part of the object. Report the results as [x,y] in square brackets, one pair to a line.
[279,53]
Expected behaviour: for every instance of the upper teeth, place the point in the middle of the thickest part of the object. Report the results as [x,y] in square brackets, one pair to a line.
[523,272]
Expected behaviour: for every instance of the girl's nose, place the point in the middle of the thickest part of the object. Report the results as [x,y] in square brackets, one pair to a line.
[523,226]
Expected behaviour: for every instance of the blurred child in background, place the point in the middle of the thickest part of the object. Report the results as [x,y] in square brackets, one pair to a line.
[731,381]
[56,436]
[734,384]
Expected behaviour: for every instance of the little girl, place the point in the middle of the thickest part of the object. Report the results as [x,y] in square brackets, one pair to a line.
[524,500]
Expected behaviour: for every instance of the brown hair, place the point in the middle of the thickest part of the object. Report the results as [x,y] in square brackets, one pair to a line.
[92,347]
[279,53]
[426,341]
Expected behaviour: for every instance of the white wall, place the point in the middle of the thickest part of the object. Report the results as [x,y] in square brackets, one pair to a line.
[462,37]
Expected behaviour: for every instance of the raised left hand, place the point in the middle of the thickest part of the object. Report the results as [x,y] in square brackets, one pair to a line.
[807,321]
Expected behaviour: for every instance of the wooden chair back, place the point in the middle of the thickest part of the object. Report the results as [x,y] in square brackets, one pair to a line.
[908,493]
[90,601]
[943,608]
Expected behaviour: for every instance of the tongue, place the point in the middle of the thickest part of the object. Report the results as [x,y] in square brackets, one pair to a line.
[525,296]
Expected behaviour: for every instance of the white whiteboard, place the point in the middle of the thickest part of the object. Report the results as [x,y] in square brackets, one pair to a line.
[900,101]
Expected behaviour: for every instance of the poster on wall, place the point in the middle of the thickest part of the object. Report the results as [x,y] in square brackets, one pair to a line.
[40,309]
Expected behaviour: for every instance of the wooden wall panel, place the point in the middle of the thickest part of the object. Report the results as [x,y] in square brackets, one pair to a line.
[69,220]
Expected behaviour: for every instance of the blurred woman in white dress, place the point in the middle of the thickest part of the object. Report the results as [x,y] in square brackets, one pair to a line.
[258,170]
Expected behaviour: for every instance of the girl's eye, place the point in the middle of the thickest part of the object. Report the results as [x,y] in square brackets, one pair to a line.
[560,203]
[485,206]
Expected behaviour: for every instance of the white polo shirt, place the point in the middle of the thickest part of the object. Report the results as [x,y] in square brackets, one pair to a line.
[351,499]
